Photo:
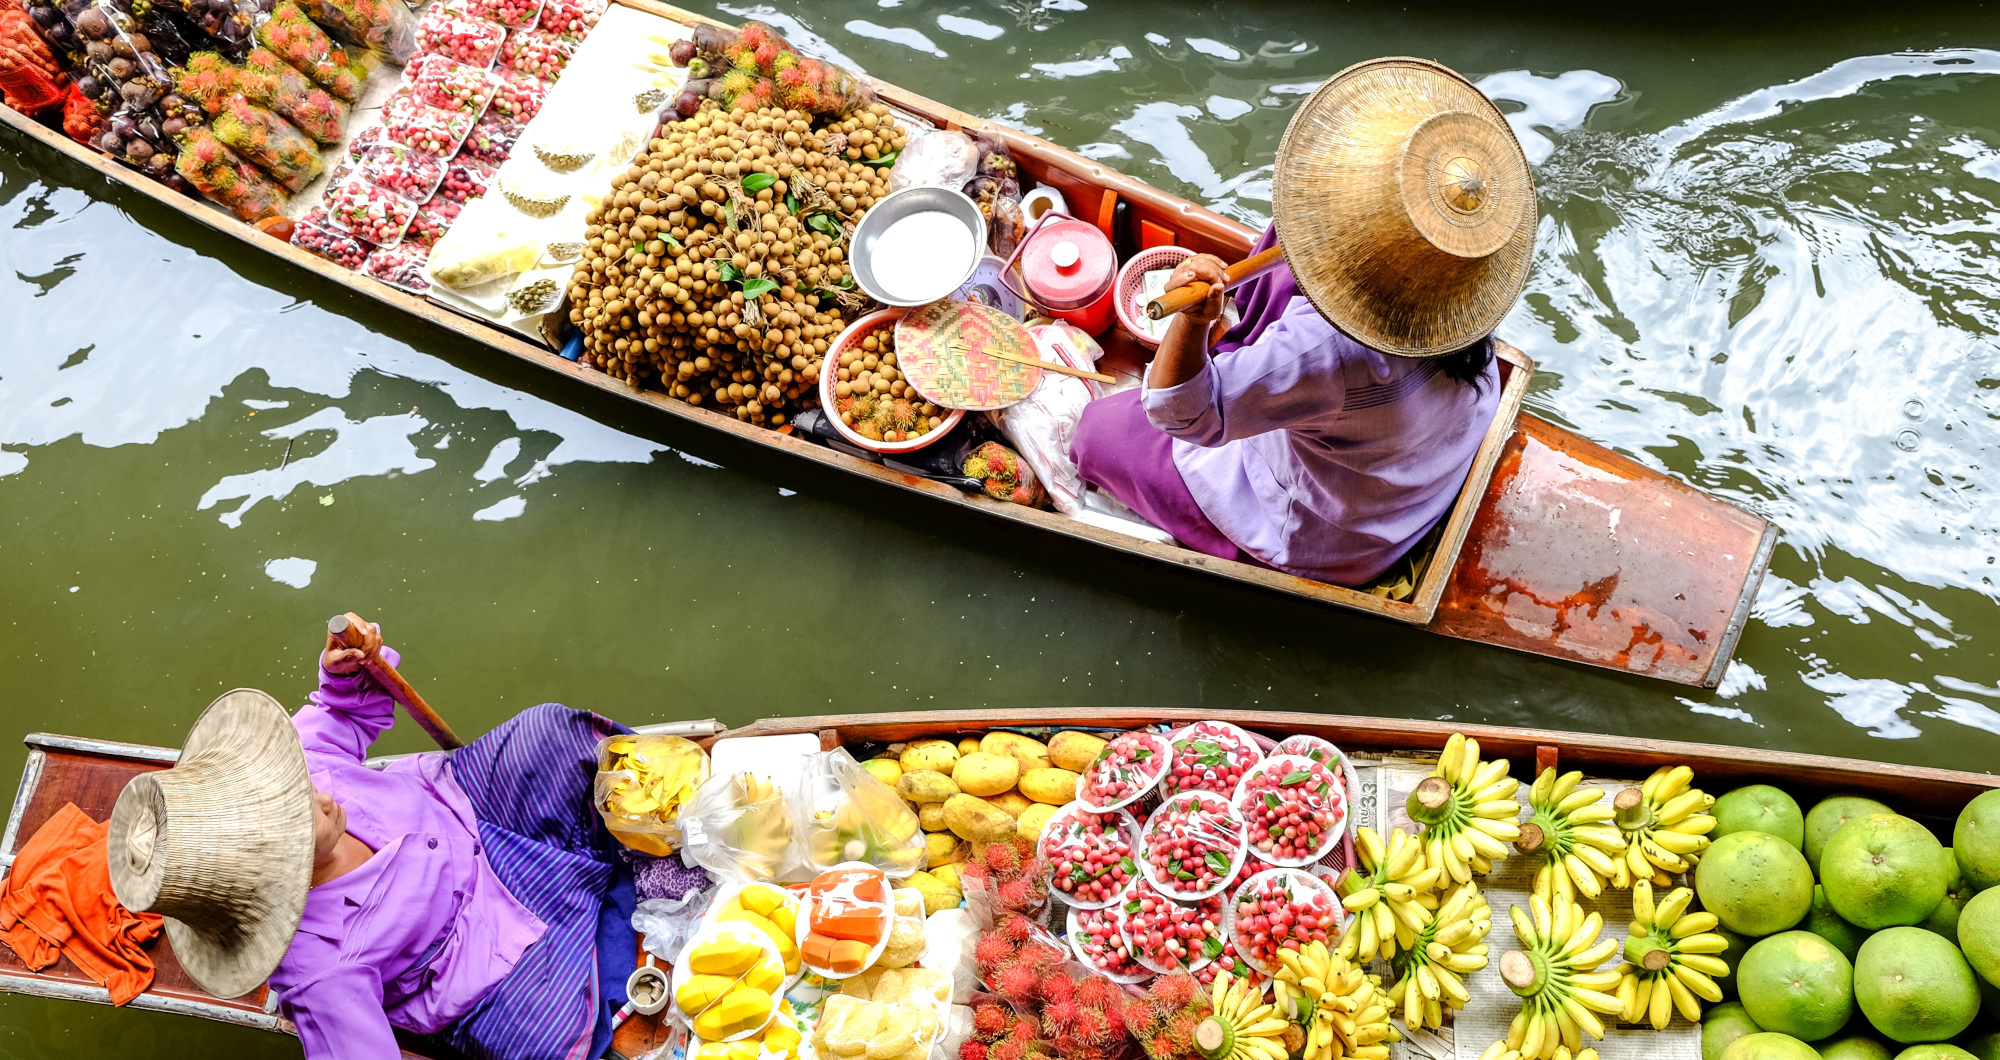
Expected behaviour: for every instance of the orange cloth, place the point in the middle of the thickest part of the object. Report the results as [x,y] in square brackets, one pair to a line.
[58,901]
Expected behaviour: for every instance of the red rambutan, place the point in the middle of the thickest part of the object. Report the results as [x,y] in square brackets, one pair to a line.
[1041,957]
[1024,1030]
[1003,859]
[972,1049]
[1015,929]
[1060,1017]
[1161,1047]
[1068,1045]
[1057,987]
[753,34]
[991,951]
[1143,1017]
[1017,983]
[988,1021]
[1175,991]
[1007,1050]
[1014,894]
[1095,991]
[1181,1029]
[767,53]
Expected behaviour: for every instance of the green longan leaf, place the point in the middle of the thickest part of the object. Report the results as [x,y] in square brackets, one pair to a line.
[758,287]
[886,160]
[1270,800]
[791,202]
[1211,947]
[1131,907]
[1216,862]
[757,182]
[730,273]
[1297,777]
[674,243]
[823,224]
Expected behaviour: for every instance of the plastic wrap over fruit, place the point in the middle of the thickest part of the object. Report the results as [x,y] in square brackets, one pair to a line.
[843,814]
[738,826]
[756,67]
[642,782]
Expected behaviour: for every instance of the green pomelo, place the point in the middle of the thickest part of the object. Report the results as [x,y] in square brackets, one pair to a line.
[1733,957]
[1826,817]
[1827,924]
[1979,934]
[1852,1047]
[1975,840]
[1935,1051]
[1756,883]
[1796,983]
[1944,919]
[1881,870]
[1759,808]
[1914,986]
[1722,1024]
[1768,1045]
[1984,1046]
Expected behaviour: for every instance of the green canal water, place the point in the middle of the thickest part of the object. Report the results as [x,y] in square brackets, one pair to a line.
[1766,265]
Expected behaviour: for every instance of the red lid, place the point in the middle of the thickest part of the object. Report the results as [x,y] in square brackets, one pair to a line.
[1068,264]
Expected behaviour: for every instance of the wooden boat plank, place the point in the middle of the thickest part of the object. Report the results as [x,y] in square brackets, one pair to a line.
[1916,790]
[1645,574]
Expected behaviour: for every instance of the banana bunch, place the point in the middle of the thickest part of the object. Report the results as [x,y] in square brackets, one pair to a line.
[1452,945]
[1671,955]
[1666,826]
[1571,832]
[1342,1008]
[1467,809]
[1556,975]
[1392,896]
[1243,1026]
[1499,1051]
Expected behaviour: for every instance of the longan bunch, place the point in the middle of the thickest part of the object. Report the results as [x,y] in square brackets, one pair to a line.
[723,203]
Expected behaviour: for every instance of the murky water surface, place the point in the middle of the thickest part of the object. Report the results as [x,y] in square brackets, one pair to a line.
[1767,265]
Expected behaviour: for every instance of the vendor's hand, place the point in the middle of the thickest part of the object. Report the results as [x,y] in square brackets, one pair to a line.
[1206,268]
[340,659]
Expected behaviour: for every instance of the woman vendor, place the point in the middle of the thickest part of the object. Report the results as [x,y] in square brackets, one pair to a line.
[1329,430]
[474,899]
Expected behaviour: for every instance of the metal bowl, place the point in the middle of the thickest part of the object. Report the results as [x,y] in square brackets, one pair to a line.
[902,204]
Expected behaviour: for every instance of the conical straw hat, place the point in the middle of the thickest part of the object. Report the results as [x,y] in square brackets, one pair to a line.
[1405,207]
[222,844]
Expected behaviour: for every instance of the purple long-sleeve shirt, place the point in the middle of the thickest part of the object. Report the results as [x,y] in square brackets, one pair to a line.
[423,929]
[1312,452]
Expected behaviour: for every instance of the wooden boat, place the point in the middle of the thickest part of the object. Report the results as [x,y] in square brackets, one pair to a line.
[90,773]
[1556,546]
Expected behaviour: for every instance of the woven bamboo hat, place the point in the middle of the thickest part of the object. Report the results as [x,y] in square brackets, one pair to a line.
[1405,207]
[222,844]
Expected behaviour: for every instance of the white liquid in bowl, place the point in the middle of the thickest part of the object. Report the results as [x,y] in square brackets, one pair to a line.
[921,257]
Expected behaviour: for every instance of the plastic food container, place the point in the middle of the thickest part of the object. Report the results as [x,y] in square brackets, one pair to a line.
[1168,936]
[1128,770]
[1085,849]
[848,904]
[1192,846]
[400,266]
[1097,937]
[1269,913]
[1295,793]
[1209,756]
[368,213]
[770,965]
[1069,268]
[1314,748]
[829,374]
[1132,296]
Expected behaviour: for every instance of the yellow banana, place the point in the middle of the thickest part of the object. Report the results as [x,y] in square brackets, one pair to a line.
[1568,828]
[1669,959]
[1556,976]
[1467,809]
[1453,945]
[1665,824]
[1392,893]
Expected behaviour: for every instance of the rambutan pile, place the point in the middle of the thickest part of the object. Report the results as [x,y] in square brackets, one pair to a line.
[1030,976]
[1010,874]
[1164,1019]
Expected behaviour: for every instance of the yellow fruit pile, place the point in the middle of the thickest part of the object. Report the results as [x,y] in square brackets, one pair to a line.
[771,910]
[982,788]
[883,1014]
[733,981]
[642,781]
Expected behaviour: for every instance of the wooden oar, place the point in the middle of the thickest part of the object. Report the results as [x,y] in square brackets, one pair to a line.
[349,635]
[1052,366]
[1182,297]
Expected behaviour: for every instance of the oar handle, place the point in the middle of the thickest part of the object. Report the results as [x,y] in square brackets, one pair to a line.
[350,636]
[1182,297]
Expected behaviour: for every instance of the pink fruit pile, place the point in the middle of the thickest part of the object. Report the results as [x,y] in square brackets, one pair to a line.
[1099,941]
[369,213]
[1173,936]
[1283,909]
[1192,845]
[1209,756]
[1090,854]
[1293,806]
[1127,768]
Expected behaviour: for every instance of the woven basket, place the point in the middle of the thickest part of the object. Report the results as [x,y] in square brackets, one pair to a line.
[1131,312]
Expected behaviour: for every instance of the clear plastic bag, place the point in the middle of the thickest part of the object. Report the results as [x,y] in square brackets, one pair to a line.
[1281,787]
[400,266]
[410,173]
[491,141]
[465,180]
[715,56]
[1126,772]
[277,145]
[299,41]
[316,233]
[368,213]
[1282,909]
[119,64]
[435,132]
[1090,855]
[381,25]
[519,95]
[513,14]
[436,81]
[841,814]
[532,51]
[226,179]
[642,783]
[137,135]
[1192,846]
[942,158]
[233,23]
[571,18]
[1210,756]
[446,30]
[1168,936]
[432,221]
[1041,426]
[268,80]
[668,923]
[739,827]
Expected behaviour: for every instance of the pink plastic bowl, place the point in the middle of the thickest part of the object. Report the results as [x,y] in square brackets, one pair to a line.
[829,375]
[1131,314]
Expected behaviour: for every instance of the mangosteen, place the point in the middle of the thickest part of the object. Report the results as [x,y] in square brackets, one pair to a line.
[45,17]
[111,142]
[122,48]
[139,42]
[160,164]
[94,23]
[120,69]
[173,126]
[98,51]
[90,87]
[172,101]
[139,151]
